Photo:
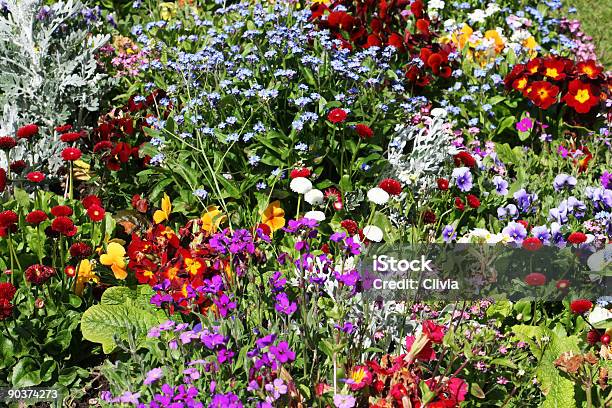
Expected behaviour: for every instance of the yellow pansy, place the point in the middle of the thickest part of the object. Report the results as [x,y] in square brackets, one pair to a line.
[84,275]
[463,37]
[166,208]
[167,10]
[114,257]
[494,35]
[274,216]
[212,218]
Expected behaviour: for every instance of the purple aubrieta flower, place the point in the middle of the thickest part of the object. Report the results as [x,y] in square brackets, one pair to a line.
[284,305]
[564,181]
[606,180]
[224,355]
[211,339]
[347,327]
[337,236]
[349,278]
[344,401]
[449,234]
[224,304]
[282,352]
[525,124]
[191,373]
[265,341]
[153,375]
[516,231]
[229,400]
[277,281]
[463,178]
[501,185]
[276,388]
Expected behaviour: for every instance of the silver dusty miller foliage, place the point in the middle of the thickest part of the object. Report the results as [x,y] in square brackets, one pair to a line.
[421,164]
[47,71]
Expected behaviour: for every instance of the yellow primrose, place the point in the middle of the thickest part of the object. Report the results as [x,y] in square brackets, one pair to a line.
[212,218]
[166,208]
[274,216]
[84,275]
[114,257]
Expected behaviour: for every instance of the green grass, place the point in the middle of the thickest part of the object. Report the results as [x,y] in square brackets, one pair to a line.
[596,19]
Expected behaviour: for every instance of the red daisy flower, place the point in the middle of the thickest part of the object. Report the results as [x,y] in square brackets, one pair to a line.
[532,243]
[391,186]
[38,274]
[563,284]
[64,226]
[35,177]
[36,217]
[350,226]
[80,250]
[95,213]
[7,290]
[63,128]
[70,137]
[91,200]
[71,154]
[7,143]
[6,309]
[593,337]
[18,166]
[442,184]
[472,201]
[27,131]
[429,217]
[581,96]
[463,158]
[543,94]
[576,238]
[580,306]
[334,195]
[459,204]
[2,179]
[8,218]
[70,271]
[337,115]
[299,172]
[535,279]
[364,131]
[61,211]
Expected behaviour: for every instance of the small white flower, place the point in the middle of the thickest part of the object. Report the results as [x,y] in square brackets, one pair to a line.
[315,215]
[314,197]
[373,233]
[436,4]
[438,112]
[300,185]
[378,196]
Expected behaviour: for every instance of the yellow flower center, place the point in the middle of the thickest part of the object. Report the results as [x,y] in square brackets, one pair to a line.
[358,375]
[588,70]
[583,95]
[522,83]
[552,72]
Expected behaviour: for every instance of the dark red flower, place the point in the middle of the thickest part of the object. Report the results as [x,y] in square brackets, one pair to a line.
[576,238]
[300,172]
[433,331]
[139,203]
[459,204]
[7,290]
[27,131]
[593,337]
[71,154]
[63,128]
[70,271]
[70,137]
[35,177]
[7,143]
[104,145]
[96,213]
[472,201]
[442,184]
[429,217]
[91,200]
[80,250]
[422,26]
[563,284]
[463,158]
[532,243]
[38,274]
[6,309]
[581,96]
[364,131]
[36,217]
[581,306]
[416,7]
[337,115]
[588,68]
[350,226]
[391,186]
[18,166]
[535,279]
[2,179]
[61,211]
[64,226]
[554,69]
[8,218]
[335,196]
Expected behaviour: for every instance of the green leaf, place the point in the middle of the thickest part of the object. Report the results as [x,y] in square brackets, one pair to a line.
[476,391]
[26,373]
